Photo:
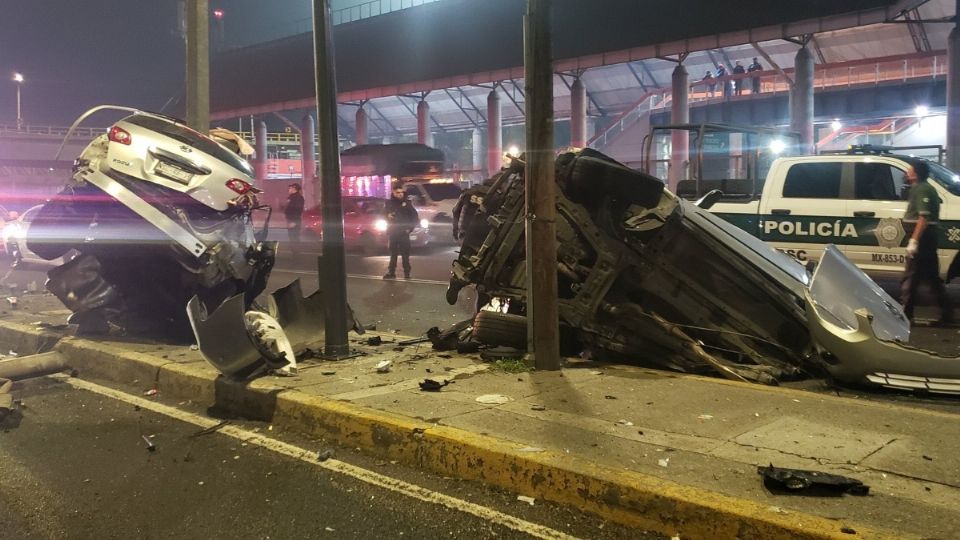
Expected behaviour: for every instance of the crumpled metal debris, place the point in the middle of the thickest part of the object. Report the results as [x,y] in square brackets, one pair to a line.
[810,482]
[430,385]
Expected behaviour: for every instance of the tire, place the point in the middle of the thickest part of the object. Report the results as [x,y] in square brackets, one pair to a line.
[492,328]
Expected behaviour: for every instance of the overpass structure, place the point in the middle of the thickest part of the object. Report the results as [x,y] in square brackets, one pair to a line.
[449,72]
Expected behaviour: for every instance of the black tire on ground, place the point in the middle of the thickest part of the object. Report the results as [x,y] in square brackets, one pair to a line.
[492,328]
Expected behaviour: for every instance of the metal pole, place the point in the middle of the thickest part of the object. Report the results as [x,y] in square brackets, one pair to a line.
[19,118]
[198,65]
[333,268]
[953,97]
[541,237]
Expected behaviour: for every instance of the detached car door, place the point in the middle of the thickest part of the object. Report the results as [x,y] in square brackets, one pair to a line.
[807,214]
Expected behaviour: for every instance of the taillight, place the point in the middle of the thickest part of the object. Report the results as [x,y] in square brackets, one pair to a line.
[119,135]
[238,186]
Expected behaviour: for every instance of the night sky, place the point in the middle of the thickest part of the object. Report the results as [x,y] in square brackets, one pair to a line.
[75,54]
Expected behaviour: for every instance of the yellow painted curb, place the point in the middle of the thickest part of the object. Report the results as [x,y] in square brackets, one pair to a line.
[623,496]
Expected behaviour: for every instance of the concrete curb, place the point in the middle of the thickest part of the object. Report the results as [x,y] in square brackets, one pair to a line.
[622,496]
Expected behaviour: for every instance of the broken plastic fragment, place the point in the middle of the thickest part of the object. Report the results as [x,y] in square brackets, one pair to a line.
[524,498]
[384,366]
[663,462]
[492,399]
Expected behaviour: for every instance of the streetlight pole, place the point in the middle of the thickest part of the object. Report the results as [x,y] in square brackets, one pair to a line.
[18,78]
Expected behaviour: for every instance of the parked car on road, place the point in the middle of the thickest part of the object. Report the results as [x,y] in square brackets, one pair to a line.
[364,225]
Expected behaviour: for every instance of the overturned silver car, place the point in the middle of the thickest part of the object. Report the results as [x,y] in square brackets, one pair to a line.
[154,214]
[646,276]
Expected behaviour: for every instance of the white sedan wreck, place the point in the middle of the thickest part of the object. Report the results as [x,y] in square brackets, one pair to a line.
[646,276]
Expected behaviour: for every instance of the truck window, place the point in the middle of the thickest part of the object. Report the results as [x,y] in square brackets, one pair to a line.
[877,181]
[813,181]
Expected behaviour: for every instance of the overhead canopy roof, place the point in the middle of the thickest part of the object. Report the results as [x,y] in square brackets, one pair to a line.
[454,49]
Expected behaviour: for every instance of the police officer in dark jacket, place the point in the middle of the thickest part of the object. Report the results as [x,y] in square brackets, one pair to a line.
[923,266]
[754,68]
[293,212]
[401,218]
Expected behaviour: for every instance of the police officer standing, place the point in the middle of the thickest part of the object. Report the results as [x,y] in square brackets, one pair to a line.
[923,209]
[401,218]
[293,212]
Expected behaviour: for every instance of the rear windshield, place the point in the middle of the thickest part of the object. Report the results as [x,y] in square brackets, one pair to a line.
[439,192]
[193,138]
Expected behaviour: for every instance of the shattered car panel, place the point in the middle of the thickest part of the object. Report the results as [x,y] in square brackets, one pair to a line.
[646,276]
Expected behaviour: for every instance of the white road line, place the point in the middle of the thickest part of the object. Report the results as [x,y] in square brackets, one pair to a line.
[308,456]
[364,276]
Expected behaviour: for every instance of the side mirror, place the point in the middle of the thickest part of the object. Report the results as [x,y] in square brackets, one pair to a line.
[709,199]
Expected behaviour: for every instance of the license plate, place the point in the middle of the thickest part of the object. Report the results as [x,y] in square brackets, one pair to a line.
[173,173]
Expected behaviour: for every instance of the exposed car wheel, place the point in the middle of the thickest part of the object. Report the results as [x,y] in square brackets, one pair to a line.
[492,328]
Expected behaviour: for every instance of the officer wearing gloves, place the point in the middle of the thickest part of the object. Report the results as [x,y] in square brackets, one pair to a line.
[401,218]
[923,266]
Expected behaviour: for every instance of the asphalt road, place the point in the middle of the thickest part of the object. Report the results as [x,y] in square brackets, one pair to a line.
[76,464]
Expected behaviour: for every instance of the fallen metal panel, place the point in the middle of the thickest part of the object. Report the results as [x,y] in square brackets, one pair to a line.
[223,339]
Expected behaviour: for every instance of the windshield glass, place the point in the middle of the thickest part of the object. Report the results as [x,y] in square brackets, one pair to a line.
[945,177]
[193,138]
[439,192]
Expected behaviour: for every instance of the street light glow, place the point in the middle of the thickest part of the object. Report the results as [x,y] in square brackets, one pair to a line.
[218,14]
[513,151]
[777,146]
[18,77]
[922,110]
[836,125]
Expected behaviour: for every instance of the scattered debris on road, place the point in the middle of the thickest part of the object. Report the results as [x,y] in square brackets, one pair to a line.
[430,385]
[384,366]
[810,482]
[528,500]
[150,446]
[493,399]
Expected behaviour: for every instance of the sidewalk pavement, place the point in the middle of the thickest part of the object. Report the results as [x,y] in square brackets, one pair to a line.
[651,449]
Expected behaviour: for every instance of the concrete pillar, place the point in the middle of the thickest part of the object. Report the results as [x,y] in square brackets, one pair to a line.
[477,149]
[953,99]
[494,134]
[578,114]
[361,131]
[423,123]
[801,102]
[308,156]
[260,148]
[679,140]
[198,65]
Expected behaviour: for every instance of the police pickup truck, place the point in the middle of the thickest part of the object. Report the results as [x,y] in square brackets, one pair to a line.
[855,200]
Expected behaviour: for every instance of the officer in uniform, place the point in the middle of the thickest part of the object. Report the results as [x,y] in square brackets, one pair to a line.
[923,210]
[401,218]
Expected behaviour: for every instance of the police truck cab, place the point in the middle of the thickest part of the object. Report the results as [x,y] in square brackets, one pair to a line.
[855,200]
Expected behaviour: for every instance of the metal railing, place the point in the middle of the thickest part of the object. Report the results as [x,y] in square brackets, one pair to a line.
[841,75]
[53,131]
[374,8]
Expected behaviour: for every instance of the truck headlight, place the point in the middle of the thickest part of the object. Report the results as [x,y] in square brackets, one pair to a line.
[424,224]
[380,225]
